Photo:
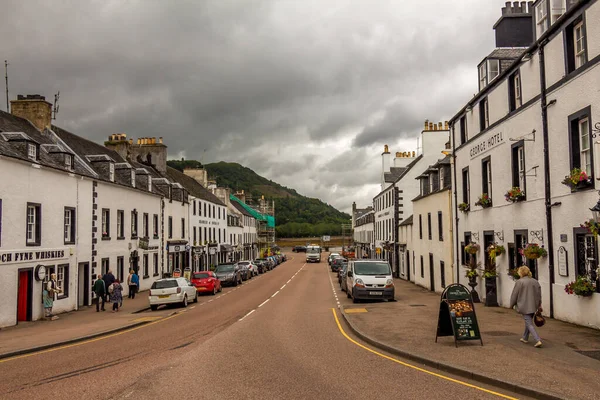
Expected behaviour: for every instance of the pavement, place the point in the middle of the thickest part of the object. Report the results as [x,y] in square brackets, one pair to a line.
[567,366]
[279,335]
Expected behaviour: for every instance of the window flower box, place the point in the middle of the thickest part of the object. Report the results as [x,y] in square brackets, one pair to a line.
[495,250]
[582,286]
[464,207]
[533,251]
[484,201]
[515,195]
[577,180]
[592,227]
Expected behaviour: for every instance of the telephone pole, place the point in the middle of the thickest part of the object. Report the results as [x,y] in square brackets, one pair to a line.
[6,78]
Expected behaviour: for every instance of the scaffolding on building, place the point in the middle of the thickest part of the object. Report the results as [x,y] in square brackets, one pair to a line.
[264,213]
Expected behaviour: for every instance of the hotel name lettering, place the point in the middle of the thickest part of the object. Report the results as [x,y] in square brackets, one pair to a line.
[487,144]
[22,256]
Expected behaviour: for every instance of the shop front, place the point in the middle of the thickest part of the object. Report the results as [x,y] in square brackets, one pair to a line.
[177,253]
[226,255]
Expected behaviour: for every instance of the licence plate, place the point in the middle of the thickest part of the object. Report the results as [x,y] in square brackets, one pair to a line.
[201,288]
[163,296]
[376,293]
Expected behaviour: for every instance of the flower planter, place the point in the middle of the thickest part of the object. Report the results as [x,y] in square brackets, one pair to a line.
[474,294]
[585,294]
[491,295]
[583,185]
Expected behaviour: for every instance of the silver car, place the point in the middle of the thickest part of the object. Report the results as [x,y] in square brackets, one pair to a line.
[172,291]
[250,265]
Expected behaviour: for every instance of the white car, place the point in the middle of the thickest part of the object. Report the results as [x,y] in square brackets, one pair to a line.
[172,291]
[251,266]
[369,279]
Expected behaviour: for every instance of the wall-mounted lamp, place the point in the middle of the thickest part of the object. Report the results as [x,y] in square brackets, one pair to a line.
[551,103]
[526,57]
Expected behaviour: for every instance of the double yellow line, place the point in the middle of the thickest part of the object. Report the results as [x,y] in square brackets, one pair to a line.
[337,321]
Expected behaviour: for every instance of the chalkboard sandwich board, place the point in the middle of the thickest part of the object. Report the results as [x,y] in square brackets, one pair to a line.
[457,315]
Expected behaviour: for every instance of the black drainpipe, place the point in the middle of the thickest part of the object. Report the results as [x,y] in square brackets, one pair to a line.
[454,189]
[547,195]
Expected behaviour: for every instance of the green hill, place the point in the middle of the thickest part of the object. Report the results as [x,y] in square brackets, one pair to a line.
[295,215]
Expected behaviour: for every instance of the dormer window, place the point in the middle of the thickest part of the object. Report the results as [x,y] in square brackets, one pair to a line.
[133,178]
[541,18]
[557,9]
[488,71]
[32,151]
[69,161]
[149,183]
[111,172]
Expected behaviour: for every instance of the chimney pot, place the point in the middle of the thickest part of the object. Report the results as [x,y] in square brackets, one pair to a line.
[138,141]
[446,127]
[130,141]
[426,123]
[431,126]
[160,140]
[439,126]
[413,154]
[524,7]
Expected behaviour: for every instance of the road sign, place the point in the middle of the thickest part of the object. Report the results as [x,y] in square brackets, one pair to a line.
[326,238]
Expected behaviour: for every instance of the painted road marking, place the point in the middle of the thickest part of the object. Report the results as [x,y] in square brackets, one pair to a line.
[90,340]
[146,319]
[263,303]
[192,307]
[289,280]
[355,310]
[241,319]
[337,321]
[281,288]
[275,294]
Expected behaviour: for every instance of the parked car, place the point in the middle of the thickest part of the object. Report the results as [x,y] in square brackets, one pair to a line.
[331,257]
[343,283]
[267,264]
[206,282]
[172,291]
[369,279]
[299,249]
[337,263]
[228,274]
[341,272]
[261,266]
[244,271]
[273,261]
[283,257]
[251,266]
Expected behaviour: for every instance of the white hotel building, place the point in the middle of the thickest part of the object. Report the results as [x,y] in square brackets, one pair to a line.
[532,121]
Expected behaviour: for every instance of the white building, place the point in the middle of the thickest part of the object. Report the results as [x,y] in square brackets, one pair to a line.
[249,226]
[540,99]
[364,228]
[432,240]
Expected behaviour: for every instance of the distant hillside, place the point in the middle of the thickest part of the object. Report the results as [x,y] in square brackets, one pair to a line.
[296,215]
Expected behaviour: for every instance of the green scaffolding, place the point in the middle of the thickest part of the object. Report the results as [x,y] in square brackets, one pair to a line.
[269,219]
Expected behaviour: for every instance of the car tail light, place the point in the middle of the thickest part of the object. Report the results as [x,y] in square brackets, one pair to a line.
[178,290]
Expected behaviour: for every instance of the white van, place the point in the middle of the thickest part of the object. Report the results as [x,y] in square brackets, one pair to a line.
[369,279]
[313,254]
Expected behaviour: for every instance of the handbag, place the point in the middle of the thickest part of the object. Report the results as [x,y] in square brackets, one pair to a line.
[538,319]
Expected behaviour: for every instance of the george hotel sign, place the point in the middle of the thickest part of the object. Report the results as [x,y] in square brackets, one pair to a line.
[23,256]
[486,145]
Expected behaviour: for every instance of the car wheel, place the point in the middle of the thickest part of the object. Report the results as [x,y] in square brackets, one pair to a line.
[214,290]
[220,288]
[354,299]
[184,303]
[153,307]
[235,283]
[196,298]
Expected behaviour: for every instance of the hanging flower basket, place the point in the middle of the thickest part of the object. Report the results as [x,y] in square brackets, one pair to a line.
[582,286]
[577,179]
[472,248]
[484,201]
[514,195]
[592,227]
[464,207]
[495,250]
[533,251]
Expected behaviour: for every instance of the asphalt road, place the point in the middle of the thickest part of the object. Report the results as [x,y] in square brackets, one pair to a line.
[277,336]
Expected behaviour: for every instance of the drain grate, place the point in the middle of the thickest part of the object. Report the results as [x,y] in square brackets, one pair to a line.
[595,354]
[417,305]
[499,333]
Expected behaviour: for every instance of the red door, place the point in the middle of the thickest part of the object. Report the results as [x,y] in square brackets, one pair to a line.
[23,296]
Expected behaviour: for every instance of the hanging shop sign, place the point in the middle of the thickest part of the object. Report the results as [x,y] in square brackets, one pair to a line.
[23,256]
[457,315]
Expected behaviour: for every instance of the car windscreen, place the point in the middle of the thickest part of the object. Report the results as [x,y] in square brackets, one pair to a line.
[224,268]
[243,263]
[370,268]
[313,250]
[201,275]
[164,284]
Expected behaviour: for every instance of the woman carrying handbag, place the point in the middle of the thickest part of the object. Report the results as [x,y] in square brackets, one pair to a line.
[527,296]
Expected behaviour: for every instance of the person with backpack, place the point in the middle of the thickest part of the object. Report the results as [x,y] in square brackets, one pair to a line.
[100,291]
[115,291]
[108,279]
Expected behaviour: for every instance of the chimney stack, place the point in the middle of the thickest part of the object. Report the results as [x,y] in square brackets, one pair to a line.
[33,108]
[514,28]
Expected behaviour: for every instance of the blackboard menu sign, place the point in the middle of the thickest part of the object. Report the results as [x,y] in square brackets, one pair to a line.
[457,315]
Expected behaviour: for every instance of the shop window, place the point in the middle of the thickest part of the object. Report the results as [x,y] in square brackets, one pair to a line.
[69,225]
[62,280]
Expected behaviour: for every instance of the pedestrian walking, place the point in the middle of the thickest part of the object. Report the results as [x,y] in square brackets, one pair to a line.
[100,291]
[49,292]
[133,281]
[108,279]
[116,294]
[527,296]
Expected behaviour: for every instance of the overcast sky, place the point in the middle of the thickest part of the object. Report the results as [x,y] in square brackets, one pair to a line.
[306,93]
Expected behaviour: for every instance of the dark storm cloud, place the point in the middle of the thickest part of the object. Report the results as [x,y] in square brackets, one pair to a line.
[291,89]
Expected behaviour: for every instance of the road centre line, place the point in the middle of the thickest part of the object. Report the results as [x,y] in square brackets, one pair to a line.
[247,315]
[289,280]
[275,294]
[281,288]
[263,303]
[337,321]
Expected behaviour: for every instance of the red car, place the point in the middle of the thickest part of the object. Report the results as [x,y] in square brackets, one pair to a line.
[206,282]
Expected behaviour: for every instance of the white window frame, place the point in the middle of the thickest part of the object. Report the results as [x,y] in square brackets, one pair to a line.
[493,73]
[68,161]
[31,222]
[521,166]
[557,9]
[111,172]
[517,90]
[68,225]
[105,216]
[31,151]
[149,183]
[489,178]
[541,18]
[483,76]
[579,45]
[120,218]
[585,154]
[60,277]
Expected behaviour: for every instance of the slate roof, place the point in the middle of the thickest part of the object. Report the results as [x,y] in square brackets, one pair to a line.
[192,186]
[393,174]
[17,128]
[362,211]
[407,221]
[506,55]
[241,209]
[408,167]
